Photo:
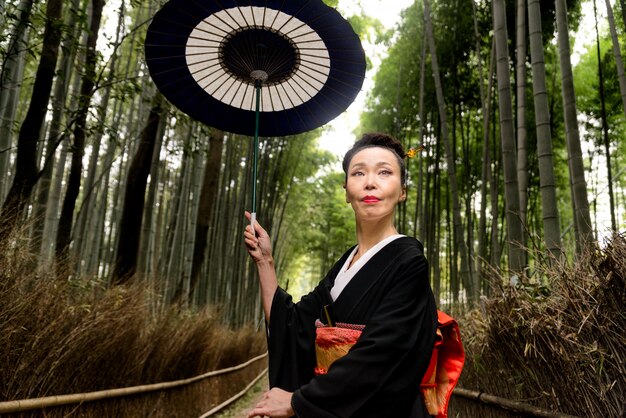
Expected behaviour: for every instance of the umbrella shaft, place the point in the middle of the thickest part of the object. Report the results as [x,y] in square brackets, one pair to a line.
[256,143]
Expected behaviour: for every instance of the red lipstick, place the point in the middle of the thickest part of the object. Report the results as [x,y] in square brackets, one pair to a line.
[371,199]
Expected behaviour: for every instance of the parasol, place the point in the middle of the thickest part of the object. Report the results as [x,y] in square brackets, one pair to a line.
[255,67]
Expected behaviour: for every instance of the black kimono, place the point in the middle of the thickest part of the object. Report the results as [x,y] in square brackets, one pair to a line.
[381,375]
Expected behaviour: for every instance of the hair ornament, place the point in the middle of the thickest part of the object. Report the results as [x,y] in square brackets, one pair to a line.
[412,152]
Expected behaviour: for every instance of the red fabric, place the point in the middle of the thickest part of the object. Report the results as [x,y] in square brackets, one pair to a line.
[446,363]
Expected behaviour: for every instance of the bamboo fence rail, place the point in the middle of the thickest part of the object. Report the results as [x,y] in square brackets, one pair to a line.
[508,404]
[227,402]
[75,398]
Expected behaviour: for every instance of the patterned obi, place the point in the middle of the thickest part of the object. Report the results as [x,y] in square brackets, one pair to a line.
[332,343]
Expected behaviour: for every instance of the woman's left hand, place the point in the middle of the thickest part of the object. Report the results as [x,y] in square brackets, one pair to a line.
[275,404]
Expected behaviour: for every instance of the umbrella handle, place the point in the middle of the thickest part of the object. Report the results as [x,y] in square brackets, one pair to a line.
[252,222]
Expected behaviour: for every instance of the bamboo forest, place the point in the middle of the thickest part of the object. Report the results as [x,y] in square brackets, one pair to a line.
[126,287]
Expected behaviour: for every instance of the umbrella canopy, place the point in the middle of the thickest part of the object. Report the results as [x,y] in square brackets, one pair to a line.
[211,58]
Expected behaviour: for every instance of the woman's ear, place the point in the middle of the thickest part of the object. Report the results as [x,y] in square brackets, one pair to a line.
[403,194]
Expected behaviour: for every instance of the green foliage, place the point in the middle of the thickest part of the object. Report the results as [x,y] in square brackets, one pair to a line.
[331,3]
[587,85]
[319,224]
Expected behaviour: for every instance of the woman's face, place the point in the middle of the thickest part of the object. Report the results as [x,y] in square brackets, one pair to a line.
[373,186]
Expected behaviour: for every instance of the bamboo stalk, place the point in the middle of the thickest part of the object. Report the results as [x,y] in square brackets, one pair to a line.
[508,404]
[234,398]
[75,398]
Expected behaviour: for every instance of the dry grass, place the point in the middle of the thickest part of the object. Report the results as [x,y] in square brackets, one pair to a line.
[560,346]
[72,337]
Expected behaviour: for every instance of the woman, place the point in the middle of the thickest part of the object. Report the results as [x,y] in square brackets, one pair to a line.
[381,284]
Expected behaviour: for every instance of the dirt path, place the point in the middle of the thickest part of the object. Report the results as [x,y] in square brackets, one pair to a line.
[243,406]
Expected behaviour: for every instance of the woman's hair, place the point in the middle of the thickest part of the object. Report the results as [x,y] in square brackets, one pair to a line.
[381,140]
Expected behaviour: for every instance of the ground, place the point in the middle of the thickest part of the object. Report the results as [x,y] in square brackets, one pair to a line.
[243,406]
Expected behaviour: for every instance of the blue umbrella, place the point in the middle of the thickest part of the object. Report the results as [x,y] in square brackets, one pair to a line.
[255,67]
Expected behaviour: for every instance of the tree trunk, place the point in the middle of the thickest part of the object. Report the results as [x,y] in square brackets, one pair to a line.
[181,220]
[208,197]
[130,225]
[494,192]
[10,82]
[456,207]
[547,182]
[584,233]
[88,204]
[520,78]
[26,171]
[64,233]
[55,134]
[605,124]
[485,175]
[511,190]
[192,213]
[146,246]
[420,199]
[617,54]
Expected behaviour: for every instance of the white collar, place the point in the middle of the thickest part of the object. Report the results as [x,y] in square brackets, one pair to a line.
[347,272]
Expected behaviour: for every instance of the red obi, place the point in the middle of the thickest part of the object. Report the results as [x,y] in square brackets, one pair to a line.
[444,369]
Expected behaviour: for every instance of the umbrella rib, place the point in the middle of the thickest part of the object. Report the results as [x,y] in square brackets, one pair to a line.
[269,94]
[264,12]
[308,33]
[240,62]
[336,92]
[297,94]
[312,115]
[227,89]
[277,63]
[280,9]
[169,71]
[280,99]
[252,104]
[213,81]
[320,16]
[304,64]
[208,60]
[218,17]
[252,12]
[216,47]
[172,4]
[238,7]
[217,35]
[194,18]
[307,82]
[205,76]
[243,97]
[292,16]
[235,95]
[229,13]
[286,94]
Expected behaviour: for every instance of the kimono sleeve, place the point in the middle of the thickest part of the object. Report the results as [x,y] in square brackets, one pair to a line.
[291,338]
[384,368]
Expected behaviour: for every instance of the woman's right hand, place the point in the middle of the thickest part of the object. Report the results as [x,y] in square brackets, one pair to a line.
[258,245]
